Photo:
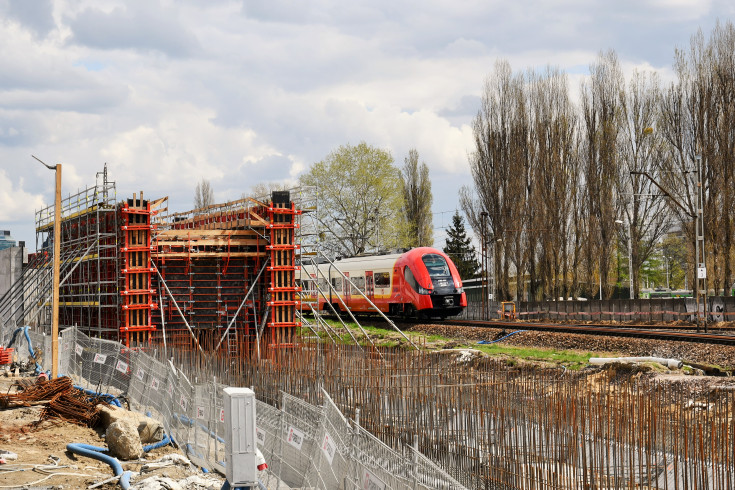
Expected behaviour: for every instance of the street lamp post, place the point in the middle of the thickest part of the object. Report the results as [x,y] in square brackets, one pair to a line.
[57,266]
[483,226]
[630,258]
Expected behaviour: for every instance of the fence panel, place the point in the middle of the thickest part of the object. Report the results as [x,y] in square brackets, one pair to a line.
[331,464]
[304,444]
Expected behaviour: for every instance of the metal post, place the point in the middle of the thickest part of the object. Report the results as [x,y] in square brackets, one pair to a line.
[630,259]
[57,267]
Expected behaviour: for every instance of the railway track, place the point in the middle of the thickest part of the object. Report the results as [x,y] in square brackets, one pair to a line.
[663,332]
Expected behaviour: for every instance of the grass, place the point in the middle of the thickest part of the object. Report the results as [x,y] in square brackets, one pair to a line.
[570,359]
[387,337]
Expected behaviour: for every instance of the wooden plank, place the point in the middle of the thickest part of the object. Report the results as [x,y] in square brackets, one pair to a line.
[203,233]
[195,255]
[204,241]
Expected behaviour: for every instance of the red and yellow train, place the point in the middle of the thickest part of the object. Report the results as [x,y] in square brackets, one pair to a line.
[420,283]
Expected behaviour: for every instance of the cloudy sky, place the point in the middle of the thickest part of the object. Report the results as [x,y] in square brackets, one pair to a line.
[242,92]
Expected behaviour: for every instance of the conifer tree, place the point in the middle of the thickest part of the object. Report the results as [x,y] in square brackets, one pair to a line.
[460,249]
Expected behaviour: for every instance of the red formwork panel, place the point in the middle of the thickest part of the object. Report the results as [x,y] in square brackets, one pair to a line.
[137,292]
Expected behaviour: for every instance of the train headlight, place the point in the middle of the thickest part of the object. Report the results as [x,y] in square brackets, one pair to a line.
[424,290]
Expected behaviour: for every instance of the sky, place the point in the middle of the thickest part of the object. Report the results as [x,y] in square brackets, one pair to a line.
[243,92]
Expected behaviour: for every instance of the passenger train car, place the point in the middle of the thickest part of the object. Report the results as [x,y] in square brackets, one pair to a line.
[421,283]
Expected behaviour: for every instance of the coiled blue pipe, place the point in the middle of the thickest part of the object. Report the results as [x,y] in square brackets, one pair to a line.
[97,453]
[501,338]
[107,397]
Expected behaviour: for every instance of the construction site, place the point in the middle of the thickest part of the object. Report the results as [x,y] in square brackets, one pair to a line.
[133,272]
[166,309]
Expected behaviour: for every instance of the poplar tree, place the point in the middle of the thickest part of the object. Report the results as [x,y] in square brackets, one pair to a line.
[417,200]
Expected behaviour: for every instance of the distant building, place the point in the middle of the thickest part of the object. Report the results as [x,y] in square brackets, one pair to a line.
[6,241]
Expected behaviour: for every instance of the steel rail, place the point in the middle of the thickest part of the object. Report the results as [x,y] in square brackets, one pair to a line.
[598,329]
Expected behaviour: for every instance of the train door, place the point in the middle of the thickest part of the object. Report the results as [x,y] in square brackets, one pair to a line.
[369,287]
[347,290]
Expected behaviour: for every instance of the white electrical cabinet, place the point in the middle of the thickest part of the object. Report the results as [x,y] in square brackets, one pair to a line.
[240,458]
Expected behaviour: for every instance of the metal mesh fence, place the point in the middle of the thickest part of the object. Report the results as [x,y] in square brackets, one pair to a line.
[304,445]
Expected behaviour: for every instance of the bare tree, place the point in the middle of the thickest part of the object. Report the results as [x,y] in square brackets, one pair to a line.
[644,211]
[417,200]
[698,121]
[500,131]
[602,114]
[203,194]
[554,180]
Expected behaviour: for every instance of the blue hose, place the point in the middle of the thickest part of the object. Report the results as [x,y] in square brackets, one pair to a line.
[501,338]
[226,486]
[30,345]
[106,396]
[164,442]
[97,453]
[190,422]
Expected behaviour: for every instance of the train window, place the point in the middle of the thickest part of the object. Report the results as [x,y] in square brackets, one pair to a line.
[436,265]
[323,285]
[359,282]
[410,279]
[337,284]
[382,279]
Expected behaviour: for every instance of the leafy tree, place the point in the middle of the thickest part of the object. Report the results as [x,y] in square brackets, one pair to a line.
[203,194]
[460,249]
[359,199]
[417,201]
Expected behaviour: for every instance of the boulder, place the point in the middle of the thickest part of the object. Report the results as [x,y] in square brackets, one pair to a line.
[149,430]
[123,440]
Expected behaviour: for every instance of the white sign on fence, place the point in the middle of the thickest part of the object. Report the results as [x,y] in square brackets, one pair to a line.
[140,374]
[259,436]
[100,358]
[295,437]
[121,366]
[155,384]
[78,349]
[372,482]
[329,448]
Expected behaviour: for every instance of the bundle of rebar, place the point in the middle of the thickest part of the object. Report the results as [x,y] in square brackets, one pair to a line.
[39,393]
[73,406]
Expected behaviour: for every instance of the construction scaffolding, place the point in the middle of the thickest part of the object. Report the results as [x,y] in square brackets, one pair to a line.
[88,292]
[218,278]
[211,263]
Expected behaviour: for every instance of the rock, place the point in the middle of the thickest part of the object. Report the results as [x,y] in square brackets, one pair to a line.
[123,440]
[149,430]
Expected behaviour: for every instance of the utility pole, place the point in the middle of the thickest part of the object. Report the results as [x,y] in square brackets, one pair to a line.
[699,251]
[483,253]
[56,266]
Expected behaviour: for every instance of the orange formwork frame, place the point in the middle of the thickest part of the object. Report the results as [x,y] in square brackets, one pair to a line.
[137,289]
[283,298]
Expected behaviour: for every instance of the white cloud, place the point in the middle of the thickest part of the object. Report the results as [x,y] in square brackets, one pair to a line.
[242,92]
[15,201]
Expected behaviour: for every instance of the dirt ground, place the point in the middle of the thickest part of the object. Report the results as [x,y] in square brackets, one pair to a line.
[44,462]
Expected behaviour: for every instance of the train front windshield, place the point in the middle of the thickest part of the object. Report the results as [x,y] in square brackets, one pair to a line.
[436,265]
